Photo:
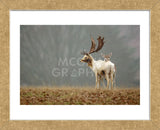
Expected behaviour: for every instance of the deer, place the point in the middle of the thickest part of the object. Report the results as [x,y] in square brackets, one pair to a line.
[106,57]
[100,68]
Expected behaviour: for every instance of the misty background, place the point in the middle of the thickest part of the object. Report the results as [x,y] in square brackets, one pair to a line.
[50,54]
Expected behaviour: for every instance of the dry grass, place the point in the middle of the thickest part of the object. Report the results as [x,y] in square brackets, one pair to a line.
[78,96]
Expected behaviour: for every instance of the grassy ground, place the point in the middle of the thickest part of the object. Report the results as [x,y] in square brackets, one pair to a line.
[78,96]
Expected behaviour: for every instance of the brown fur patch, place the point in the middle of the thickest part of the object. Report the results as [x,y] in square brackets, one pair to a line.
[102,72]
[89,61]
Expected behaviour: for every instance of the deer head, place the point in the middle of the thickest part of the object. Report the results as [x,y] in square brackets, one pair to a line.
[107,57]
[87,57]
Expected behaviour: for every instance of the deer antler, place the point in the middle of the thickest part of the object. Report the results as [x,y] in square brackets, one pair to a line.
[84,52]
[93,46]
[100,45]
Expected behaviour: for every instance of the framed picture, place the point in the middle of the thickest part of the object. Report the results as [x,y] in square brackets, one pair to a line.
[52,77]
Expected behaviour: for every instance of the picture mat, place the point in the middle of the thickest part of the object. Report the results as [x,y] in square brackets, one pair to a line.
[78,112]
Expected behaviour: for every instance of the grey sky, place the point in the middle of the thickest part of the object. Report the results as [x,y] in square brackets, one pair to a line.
[49,54]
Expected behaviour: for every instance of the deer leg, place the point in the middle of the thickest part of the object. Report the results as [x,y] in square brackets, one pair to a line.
[99,81]
[103,83]
[107,78]
[98,84]
[114,80]
[111,81]
[96,80]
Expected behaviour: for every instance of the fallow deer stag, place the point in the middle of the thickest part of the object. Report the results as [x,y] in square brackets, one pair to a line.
[100,68]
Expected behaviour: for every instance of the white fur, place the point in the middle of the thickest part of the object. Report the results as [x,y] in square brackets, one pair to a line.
[99,66]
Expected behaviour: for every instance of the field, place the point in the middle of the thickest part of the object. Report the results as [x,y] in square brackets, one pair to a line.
[78,96]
